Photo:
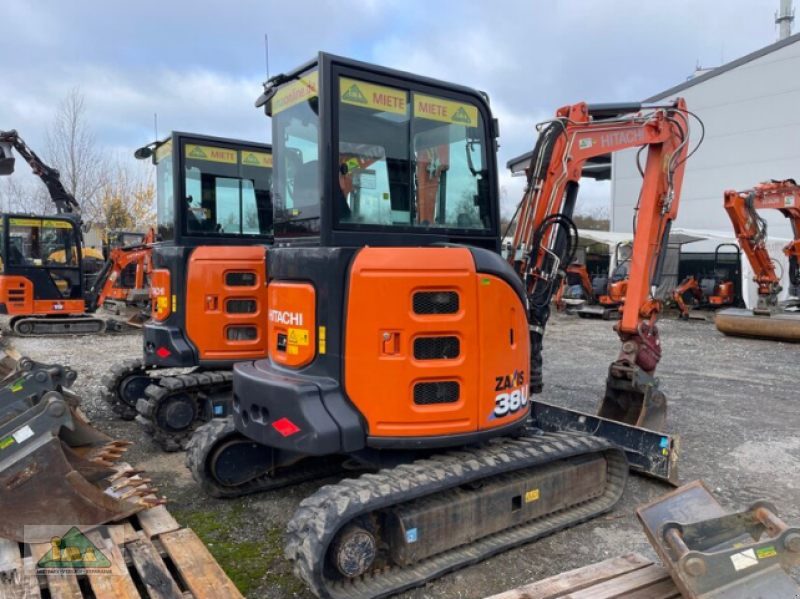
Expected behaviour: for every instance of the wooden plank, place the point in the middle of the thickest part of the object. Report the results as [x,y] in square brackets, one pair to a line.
[197,567]
[576,580]
[662,590]
[60,585]
[621,586]
[152,570]
[115,585]
[30,583]
[10,560]
[157,521]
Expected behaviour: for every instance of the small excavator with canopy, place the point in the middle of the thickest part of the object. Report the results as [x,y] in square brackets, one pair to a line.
[400,341]
[45,285]
[770,319]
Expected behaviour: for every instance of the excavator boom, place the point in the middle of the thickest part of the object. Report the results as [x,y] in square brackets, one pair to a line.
[545,238]
[768,319]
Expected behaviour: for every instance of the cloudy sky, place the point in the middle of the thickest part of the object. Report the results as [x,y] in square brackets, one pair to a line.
[200,64]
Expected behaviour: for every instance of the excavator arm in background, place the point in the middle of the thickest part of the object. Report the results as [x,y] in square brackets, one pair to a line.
[118,260]
[751,232]
[688,285]
[65,202]
[546,237]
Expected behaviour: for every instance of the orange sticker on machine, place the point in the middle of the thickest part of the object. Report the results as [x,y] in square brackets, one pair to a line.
[302,89]
[369,95]
[446,111]
[261,159]
[212,154]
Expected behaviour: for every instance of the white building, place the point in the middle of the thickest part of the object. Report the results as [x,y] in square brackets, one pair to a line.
[751,111]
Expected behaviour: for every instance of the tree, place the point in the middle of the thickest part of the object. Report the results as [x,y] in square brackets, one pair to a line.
[72,149]
[596,218]
[126,201]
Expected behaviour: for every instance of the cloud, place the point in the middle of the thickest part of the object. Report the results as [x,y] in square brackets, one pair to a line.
[199,64]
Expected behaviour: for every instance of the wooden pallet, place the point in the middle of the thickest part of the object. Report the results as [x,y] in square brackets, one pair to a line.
[627,577]
[161,561]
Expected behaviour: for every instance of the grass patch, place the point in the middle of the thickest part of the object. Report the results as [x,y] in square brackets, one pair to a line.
[245,562]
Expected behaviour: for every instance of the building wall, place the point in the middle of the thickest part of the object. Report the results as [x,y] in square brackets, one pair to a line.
[752,134]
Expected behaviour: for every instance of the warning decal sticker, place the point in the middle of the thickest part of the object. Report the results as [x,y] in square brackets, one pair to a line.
[212,154]
[300,90]
[446,111]
[257,159]
[369,95]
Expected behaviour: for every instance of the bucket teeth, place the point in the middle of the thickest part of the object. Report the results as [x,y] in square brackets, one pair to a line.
[127,473]
[140,492]
[132,483]
[148,502]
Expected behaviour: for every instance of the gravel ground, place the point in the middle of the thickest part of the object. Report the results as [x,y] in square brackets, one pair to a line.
[734,401]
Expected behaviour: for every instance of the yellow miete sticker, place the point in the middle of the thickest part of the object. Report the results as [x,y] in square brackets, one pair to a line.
[532,496]
[322,333]
[293,350]
[298,336]
[257,159]
[446,111]
[212,154]
[369,95]
[35,222]
[300,90]
[163,151]
[322,347]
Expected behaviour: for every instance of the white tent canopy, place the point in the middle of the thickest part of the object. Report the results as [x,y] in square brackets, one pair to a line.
[678,238]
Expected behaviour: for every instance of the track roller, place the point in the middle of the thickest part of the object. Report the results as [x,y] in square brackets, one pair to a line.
[124,385]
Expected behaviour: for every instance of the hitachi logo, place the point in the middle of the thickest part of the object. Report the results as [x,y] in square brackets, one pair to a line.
[288,318]
[620,137]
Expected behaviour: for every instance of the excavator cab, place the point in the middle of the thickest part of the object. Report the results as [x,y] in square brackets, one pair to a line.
[42,273]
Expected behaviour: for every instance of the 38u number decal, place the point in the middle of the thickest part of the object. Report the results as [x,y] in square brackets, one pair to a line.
[510,403]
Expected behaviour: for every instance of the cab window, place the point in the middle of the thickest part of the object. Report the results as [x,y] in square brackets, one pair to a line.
[42,243]
[165,191]
[295,133]
[408,159]
[227,191]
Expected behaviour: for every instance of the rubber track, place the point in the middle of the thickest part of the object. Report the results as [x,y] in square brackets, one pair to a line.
[53,327]
[111,380]
[316,522]
[191,383]
[210,434]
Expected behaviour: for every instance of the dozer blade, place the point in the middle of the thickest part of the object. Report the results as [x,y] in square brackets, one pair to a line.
[649,453]
[780,326]
[55,468]
[712,554]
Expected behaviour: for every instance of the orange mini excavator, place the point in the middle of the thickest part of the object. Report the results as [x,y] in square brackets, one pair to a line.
[400,341]
[45,285]
[209,296]
[711,292]
[770,319]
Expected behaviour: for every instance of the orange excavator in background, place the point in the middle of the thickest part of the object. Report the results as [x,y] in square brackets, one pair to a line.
[770,319]
[575,288]
[45,285]
[609,291]
[397,333]
[711,292]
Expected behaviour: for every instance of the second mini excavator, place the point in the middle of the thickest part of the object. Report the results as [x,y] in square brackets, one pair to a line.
[45,285]
[209,296]
[400,341]
[770,319]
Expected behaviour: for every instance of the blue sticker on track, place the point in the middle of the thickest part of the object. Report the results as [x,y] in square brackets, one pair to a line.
[411,535]
[665,443]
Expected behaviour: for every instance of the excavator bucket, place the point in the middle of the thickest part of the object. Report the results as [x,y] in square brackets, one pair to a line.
[780,326]
[6,159]
[55,468]
[713,554]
